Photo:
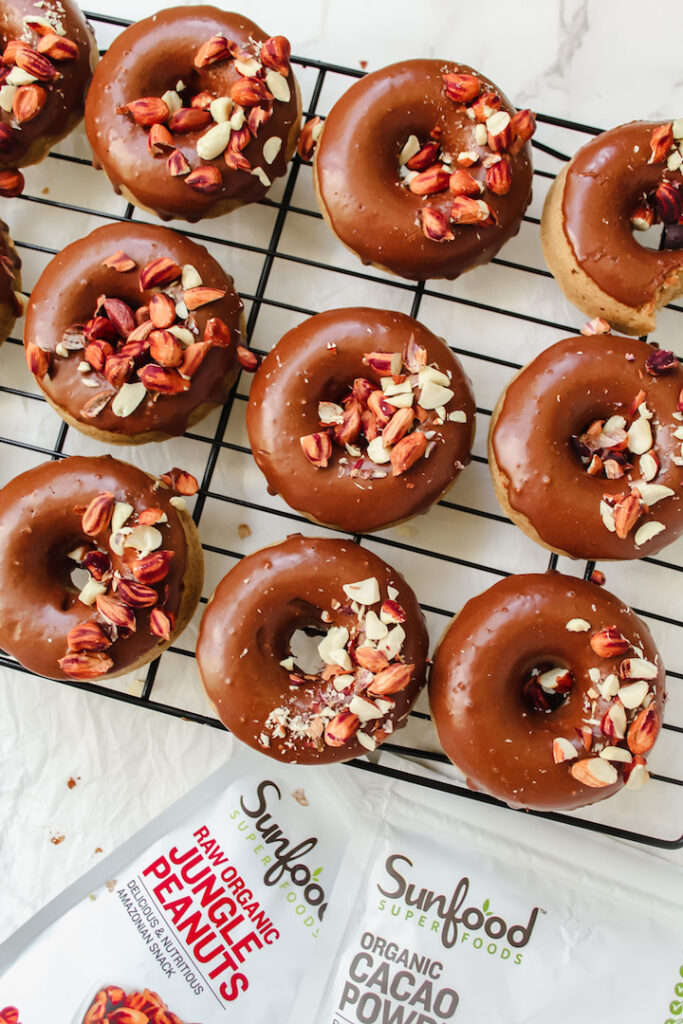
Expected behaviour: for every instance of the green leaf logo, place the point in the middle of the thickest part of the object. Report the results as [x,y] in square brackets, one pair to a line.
[316,872]
[485,908]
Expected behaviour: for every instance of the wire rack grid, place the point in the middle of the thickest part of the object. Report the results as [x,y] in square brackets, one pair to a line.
[288,266]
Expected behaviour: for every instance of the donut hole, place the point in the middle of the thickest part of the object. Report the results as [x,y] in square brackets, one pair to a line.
[303,648]
[650,239]
[79,577]
[547,685]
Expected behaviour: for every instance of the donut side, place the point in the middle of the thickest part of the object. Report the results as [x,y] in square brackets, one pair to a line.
[423,169]
[579,288]
[547,692]
[622,181]
[112,568]
[11,306]
[60,51]
[204,131]
[343,692]
[361,418]
[585,448]
[146,345]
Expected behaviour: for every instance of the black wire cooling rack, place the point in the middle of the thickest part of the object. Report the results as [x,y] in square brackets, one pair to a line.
[278,251]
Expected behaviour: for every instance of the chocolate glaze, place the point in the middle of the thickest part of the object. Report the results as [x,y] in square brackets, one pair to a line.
[605,182]
[475,686]
[66,97]
[67,292]
[356,165]
[149,58]
[10,272]
[559,394]
[283,406]
[252,615]
[38,527]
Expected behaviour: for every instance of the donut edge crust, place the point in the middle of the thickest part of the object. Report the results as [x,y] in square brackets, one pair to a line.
[42,145]
[578,287]
[7,317]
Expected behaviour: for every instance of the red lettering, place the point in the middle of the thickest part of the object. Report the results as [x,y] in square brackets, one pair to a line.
[238,983]
[227,961]
[177,908]
[173,882]
[160,867]
[251,939]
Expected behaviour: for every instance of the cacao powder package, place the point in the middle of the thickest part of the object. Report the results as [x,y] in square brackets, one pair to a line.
[210,913]
[434,920]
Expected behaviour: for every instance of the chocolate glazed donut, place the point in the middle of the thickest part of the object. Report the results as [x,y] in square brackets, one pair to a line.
[139,555]
[370,661]
[380,456]
[626,178]
[423,169]
[11,304]
[194,112]
[547,692]
[132,333]
[49,52]
[585,448]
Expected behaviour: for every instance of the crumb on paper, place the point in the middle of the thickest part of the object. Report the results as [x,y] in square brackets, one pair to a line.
[244,530]
[92,896]
[300,797]
[135,687]
[46,190]
[98,849]
[111,885]
[363,64]
[57,838]
[72,783]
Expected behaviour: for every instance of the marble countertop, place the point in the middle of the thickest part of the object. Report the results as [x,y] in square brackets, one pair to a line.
[600,62]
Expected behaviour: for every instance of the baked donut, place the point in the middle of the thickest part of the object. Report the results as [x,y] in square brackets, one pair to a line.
[132,333]
[423,169]
[585,448]
[342,693]
[139,560]
[194,112]
[48,53]
[11,303]
[547,692]
[335,445]
[624,179]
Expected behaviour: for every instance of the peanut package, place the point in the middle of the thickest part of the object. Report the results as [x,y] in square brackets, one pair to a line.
[209,914]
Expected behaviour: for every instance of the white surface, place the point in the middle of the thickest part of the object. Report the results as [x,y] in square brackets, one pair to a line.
[602,62]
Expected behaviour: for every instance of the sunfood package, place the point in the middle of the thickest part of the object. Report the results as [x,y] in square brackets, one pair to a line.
[434,921]
[210,914]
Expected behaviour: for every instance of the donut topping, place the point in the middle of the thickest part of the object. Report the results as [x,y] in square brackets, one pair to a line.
[426,170]
[140,354]
[390,423]
[620,723]
[126,566]
[613,448]
[350,676]
[27,77]
[228,98]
